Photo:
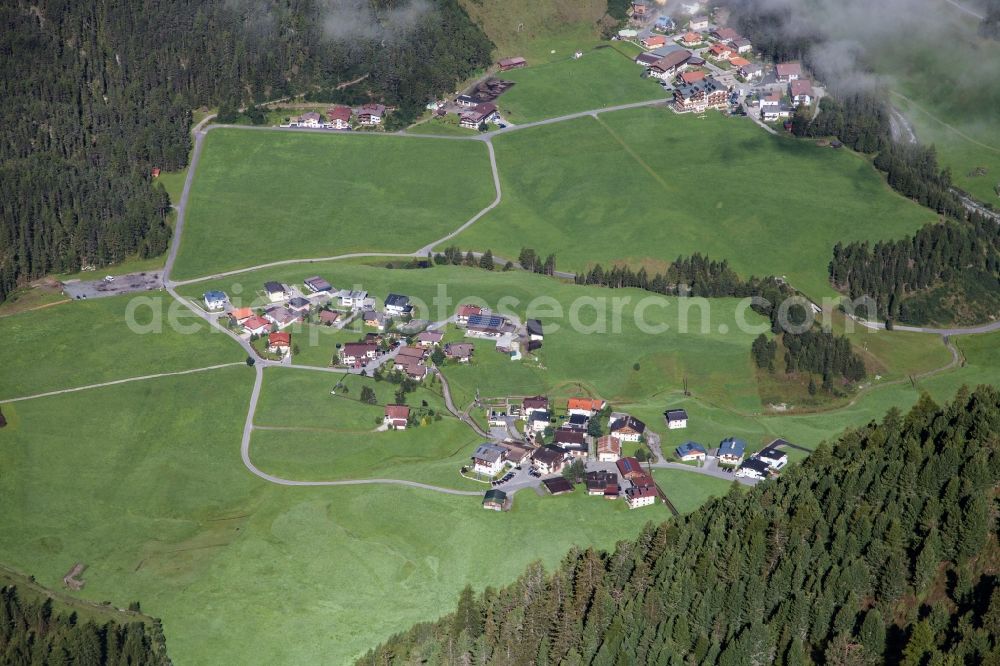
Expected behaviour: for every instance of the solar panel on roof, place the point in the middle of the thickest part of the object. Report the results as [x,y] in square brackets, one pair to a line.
[486,321]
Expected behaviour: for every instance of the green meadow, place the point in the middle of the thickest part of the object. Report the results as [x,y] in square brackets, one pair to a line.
[605,76]
[262,196]
[644,186]
[152,496]
[90,342]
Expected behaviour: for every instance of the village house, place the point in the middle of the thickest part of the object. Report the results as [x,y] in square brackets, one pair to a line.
[700,96]
[698,23]
[640,495]
[801,92]
[460,351]
[516,453]
[598,481]
[396,417]
[667,66]
[724,34]
[482,113]
[339,117]
[647,58]
[328,317]
[720,51]
[397,305]
[754,468]
[411,354]
[738,62]
[609,449]
[534,330]
[629,429]
[358,353]
[215,300]
[353,299]
[787,72]
[275,291]
[773,456]
[494,499]
[468,101]
[558,485]
[281,316]
[639,8]
[751,71]
[415,371]
[741,44]
[515,62]
[485,326]
[565,437]
[653,41]
[630,468]
[429,338]
[731,451]
[772,107]
[538,421]
[691,39]
[310,119]
[489,459]
[299,305]
[676,418]
[240,315]
[548,460]
[664,23]
[585,406]
[317,285]
[537,403]
[256,325]
[689,451]
[688,78]
[463,313]
[577,422]
[370,114]
[279,342]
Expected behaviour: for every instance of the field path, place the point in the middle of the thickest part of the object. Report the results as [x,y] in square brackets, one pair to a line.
[115,382]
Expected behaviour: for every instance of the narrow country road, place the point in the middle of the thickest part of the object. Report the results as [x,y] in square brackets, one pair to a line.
[457,413]
[946,332]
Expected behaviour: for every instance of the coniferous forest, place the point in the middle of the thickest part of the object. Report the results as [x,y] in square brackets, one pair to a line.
[944,272]
[35,633]
[95,95]
[879,548]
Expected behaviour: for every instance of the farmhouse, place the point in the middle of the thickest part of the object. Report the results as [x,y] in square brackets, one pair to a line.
[720,51]
[465,311]
[724,34]
[489,459]
[279,342]
[689,451]
[564,437]
[396,416]
[240,315]
[698,23]
[516,453]
[751,70]
[801,92]
[706,94]
[485,326]
[630,468]
[548,460]
[215,300]
[516,62]
[638,496]
[647,58]
[275,291]
[628,429]
[676,418]
[494,500]
[585,406]
[429,338]
[669,65]
[370,114]
[538,403]
[753,469]
[653,41]
[358,353]
[609,449]
[731,451]
[691,39]
[738,62]
[309,119]
[461,351]
[339,117]
[468,101]
[256,325]
[772,108]
[558,486]
[482,113]
[599,480]
[787,71]
[317,285]
[280,316]
[741,44]
[328,317]
[397,305]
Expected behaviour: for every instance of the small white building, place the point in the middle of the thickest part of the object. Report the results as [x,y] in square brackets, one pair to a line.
[638,496]
[676,418]
[276,291]
[754,468]
[215,300]
[489,459]
[352,299]
[774,458]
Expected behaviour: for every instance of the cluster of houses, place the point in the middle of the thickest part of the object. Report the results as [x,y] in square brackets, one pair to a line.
[780,104]
[481,323]
[339,117]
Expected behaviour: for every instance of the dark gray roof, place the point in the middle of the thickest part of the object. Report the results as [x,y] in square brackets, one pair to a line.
[397,300]
[534,327]
[273,287]
[756,465]
[676,415]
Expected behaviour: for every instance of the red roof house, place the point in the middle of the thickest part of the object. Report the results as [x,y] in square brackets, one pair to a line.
[396,416]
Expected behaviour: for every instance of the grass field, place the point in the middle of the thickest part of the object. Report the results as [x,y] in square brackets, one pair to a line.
[265,196]
[689,491]
[644,186]
[152,496]
[89,342]
[604,76]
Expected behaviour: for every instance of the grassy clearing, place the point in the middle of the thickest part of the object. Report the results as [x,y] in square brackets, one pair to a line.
[270,195]
[152,496]
[644,186]
[688,491]
[604,76]
[88,342]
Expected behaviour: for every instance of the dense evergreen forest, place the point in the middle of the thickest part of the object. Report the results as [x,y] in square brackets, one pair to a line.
[880,548]
[95,95]
[944,272]
[34,633]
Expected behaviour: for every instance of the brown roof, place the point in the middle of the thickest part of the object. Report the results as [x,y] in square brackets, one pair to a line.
[328,315]
[358,348]
[536,401]
[788,68]
[410,352]
[609,444]
[515,60]
[401,412]
[568,437]
[339,113]
[672,60]
[692,77]
[469,310]
[801,87]
[280,338]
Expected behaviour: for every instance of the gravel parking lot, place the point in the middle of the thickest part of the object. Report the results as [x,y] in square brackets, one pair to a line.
[122,284]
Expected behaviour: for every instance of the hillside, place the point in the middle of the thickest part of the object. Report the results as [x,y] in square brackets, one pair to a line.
[880,548]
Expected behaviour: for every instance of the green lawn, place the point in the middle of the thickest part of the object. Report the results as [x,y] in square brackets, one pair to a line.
[153,497]
[262,196]
[89,342]
[688,491]
[604,76]
[644,186]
